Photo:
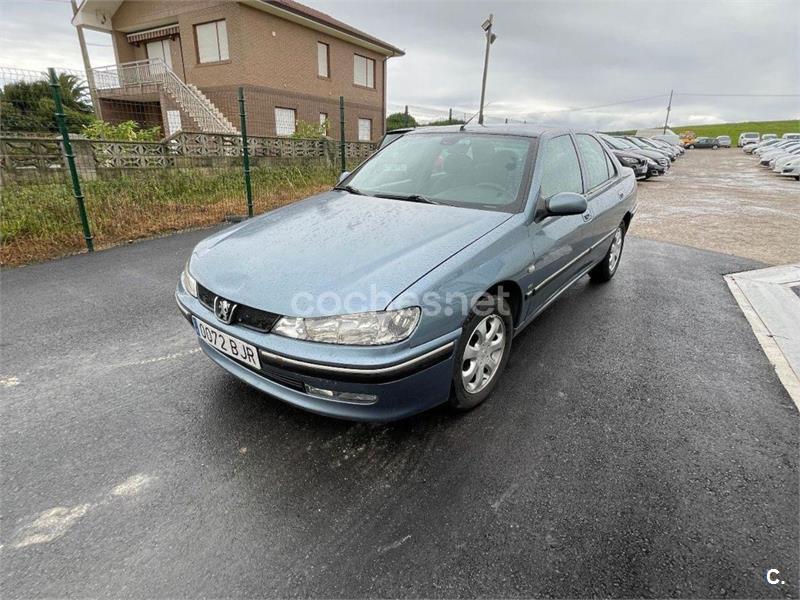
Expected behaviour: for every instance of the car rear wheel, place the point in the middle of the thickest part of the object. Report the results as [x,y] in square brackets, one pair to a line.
[714,147]
[482,352]
[606,268]
[691,146]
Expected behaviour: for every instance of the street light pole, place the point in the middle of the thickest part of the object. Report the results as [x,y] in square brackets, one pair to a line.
[490,38]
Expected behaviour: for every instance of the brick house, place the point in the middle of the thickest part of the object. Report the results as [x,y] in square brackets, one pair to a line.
[179,64]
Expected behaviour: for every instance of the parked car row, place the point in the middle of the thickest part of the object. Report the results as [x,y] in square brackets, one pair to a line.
[782,155]
[648,157]
[752,137]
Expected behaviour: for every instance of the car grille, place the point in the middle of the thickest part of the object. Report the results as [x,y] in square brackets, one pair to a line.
[246,316]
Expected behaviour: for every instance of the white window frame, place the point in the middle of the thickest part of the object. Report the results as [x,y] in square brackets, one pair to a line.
[368,123]
[323,60]
[281,112]
[211,54]
[363,71]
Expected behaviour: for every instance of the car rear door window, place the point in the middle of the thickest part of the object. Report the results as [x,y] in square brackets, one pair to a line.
[594,159]
[561,171]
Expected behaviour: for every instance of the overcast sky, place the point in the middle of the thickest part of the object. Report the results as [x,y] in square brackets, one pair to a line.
[549,56]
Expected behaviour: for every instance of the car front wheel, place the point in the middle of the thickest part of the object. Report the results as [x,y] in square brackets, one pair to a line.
[606,268]
[482,352]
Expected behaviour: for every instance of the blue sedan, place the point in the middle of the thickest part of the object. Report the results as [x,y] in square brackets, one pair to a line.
[403,287]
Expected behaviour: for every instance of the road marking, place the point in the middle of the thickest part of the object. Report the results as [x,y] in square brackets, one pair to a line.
[172,356]
[9,381]
[505,495]
[131,486]
[50,525]
[55,522]
[394,545]
[769,279]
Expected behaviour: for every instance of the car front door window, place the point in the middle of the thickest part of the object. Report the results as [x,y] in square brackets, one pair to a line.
[561,171]
[594,159]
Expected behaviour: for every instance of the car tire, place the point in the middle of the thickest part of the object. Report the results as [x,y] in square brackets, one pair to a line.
[691,146]
[489,322]
[605,269]
[714,147]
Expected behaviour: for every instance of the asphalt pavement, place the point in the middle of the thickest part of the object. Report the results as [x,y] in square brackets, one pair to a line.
[640,444]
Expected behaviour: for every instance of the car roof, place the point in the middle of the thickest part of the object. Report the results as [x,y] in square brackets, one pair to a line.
[519,129]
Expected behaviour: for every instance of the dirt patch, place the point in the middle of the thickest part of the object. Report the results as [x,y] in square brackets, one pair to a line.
[723,200]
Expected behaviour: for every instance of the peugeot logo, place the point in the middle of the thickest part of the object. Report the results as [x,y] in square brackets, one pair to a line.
[223,310]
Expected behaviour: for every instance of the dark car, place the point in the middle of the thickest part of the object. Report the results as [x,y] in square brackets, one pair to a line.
[640,164]
[646,145]
[705,142]
[660,160]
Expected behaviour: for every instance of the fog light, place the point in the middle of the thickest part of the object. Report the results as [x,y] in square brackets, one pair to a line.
[348,397]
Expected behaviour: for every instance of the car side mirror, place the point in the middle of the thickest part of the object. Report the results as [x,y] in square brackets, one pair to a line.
[343,176]
[566,203]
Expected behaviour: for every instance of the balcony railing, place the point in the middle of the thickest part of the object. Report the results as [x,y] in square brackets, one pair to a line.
[133,75]
[141,72]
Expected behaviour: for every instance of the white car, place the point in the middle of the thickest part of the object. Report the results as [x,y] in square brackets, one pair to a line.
[777,145]
[791,136]
[782,161]
[792,169]
[769,158]
[769,136]
[747,137]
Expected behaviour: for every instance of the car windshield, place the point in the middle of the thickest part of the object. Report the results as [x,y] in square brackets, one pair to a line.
[618,143]
[460,169]
[640,143]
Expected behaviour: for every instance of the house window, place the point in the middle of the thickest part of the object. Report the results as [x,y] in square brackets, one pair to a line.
[364,130]
[363,71]
[323,60]
[323,122]
[160,50]
[285,119]
[212,42]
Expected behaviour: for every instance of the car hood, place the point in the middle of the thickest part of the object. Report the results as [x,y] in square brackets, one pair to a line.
[654,154]
[313,256]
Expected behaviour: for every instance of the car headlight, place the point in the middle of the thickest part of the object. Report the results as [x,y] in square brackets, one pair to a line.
[189,282]
[357,329]
[629,161]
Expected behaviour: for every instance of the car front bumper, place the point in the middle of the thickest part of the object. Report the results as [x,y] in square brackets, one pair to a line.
[404,381]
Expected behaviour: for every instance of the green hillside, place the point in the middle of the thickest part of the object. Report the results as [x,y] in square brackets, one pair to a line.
[734,129]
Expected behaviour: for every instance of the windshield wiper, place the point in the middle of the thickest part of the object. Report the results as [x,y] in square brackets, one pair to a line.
[350,189]
[409,198]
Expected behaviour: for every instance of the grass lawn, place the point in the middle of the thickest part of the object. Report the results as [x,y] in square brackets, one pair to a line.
[734,129]
[40,221]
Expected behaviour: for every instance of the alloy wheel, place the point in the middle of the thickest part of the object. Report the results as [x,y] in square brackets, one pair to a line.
[483,353]
[615,250]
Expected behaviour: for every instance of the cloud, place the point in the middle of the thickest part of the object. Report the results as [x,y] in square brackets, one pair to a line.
[549,55]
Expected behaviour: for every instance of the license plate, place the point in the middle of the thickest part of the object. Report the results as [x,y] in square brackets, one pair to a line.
[227,344]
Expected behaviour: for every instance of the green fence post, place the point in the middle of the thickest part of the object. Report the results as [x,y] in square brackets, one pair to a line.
[245,154]
[341,134]
[61,121]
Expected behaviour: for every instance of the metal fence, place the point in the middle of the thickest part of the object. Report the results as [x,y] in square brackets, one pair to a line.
[66,185]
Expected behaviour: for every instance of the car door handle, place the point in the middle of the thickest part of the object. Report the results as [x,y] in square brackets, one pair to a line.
[621,194]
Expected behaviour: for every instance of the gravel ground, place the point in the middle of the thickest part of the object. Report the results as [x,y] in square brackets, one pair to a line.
[724,201]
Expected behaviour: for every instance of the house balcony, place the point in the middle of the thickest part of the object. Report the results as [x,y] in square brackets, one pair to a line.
[149,81]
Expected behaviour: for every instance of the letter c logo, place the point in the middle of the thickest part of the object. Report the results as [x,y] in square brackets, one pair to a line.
[773,580]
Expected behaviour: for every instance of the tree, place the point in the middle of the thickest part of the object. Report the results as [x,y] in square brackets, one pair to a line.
[399,120]
[29,106]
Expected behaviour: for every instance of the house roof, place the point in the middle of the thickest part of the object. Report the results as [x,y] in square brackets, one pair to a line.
[326,19]
[98,15]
